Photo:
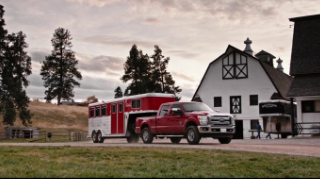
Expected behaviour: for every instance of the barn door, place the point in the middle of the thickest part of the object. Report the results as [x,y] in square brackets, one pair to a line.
[235,104]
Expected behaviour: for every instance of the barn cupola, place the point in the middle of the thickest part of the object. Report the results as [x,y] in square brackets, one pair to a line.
[248,49]
[279,67]
[265,57]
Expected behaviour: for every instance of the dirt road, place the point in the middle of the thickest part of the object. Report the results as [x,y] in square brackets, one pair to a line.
[294,146]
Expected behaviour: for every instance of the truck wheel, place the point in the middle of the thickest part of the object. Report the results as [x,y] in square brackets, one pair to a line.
[224,140]
[147,137]
[284,136]
[133,139]
[99,137]
[175,140]
[192,135]
[94,137]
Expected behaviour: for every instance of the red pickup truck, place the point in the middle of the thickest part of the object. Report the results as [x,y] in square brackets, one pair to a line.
[190,120]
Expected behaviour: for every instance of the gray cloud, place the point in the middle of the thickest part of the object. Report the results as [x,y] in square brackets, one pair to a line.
[183,76]
[184,54]
[38,56]
[102,64]
[121,41]
[152,21]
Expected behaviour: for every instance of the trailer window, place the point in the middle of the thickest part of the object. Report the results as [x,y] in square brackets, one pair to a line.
[104,110]
[113,108]
[120,107]
[98,111]
[91,112]
[136,103]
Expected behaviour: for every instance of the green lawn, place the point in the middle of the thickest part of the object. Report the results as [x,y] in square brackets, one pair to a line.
[137,162]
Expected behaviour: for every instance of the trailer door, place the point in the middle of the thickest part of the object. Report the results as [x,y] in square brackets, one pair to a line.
[114,118]
[120,118]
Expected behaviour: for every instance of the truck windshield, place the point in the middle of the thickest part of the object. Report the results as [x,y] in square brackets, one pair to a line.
[191,107]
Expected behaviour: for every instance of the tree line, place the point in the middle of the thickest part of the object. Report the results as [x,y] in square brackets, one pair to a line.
[147,74]
[60,73]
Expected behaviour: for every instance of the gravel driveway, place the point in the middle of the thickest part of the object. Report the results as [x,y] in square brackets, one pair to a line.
[295,146]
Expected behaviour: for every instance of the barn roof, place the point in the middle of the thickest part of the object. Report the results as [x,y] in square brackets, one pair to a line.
[279,79]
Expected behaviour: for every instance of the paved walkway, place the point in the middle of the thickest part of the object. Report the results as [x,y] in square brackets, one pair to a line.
[294,146]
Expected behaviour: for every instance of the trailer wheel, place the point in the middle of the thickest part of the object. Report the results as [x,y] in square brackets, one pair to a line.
[192,134]
[94,137]
[147,137]
[132,127]
[133,139]
[284,136]
[224,140]
[175,140]
[99,137]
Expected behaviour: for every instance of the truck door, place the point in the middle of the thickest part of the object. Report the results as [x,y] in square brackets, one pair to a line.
[114,118]
[120,118]
[161,123]
[175,122]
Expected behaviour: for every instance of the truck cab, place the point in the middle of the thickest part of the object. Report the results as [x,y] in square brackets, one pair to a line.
[190,120]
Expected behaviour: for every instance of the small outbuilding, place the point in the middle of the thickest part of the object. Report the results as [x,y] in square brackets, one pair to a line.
[14,132]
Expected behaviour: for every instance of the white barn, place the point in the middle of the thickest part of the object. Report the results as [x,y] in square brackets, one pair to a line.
[237,80]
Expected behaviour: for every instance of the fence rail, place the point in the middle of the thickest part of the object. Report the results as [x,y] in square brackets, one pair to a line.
[44,136]
[305,126]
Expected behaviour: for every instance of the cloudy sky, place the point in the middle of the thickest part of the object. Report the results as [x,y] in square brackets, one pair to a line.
[191,32]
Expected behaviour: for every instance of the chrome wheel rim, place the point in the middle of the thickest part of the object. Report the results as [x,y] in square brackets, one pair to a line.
[145,135]
[94,137]
[99,136]
[190,135]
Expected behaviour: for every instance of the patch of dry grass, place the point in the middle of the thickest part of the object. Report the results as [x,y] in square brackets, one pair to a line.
[52,116]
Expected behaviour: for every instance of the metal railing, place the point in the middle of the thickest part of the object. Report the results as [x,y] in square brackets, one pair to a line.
[44,136]
[304,126]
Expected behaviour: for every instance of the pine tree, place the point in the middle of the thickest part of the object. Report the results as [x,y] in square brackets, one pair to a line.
[15,66]
[137,70]
[118,92]
[59,69]
[161,78]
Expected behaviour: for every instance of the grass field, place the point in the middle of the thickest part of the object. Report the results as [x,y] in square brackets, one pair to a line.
[134,162]
[50,116]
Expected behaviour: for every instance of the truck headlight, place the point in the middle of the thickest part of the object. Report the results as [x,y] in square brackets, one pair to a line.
[203,120]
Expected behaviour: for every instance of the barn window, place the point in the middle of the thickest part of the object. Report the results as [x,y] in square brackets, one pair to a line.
[217,102]
[253,124]
[136,103]
[234,66]
[310,106]
[104,110]
[235,104]
[91,112]
[253,100]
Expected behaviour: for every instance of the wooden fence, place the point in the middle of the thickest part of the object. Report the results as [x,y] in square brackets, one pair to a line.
[45,136]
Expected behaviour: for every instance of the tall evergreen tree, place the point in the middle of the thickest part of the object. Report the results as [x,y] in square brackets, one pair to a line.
[161,78]
[118,92]
[137,70]
[15,66]
[59,69]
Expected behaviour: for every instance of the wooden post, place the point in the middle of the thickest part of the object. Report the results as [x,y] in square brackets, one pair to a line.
[69,135]
[292,117]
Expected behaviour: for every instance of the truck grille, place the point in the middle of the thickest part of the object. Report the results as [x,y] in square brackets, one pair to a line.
[220,120]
